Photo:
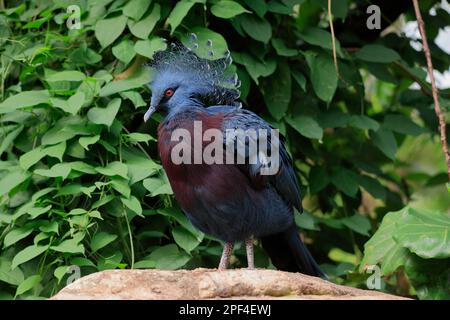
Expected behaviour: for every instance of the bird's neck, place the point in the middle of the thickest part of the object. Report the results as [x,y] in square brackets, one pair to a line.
[187,105]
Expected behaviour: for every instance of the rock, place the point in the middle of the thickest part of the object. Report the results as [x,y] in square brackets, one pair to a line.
[209,284]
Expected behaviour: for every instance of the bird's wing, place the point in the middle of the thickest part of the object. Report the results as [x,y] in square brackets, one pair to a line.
[283,180]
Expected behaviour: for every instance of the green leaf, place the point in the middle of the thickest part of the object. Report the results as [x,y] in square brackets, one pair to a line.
[85,142]
[133,204]
[346,181]
[385,141]
[101,240]
[323,76]
[306,126]
[140,167]
[60,272]
[281,49]
[258,6]
[277,91]
[70,246]
[56,151]
[169,257]
[31,157]
[402,124]
[320,37]
[114,168]
[121,185]
[13,277]
[16,235]
[58,170]
[255,68]
[179,12]
[106,115]
[382,249]
[28,284]
[135,97]
[185,239]
[137,80]
[124,51]
[358,223]
[363,122]
[424,232]
[318,179]
[136,137]
[147,48]
[227,9]
[135,9]
[27,254]
[11,180]
[157,186]
[257,28]
[204,35]
[24,99]
[377,53]
[373,186]
[8,140]
[306,220]
[66,75]
[108,30]
[300,78]
[143,28]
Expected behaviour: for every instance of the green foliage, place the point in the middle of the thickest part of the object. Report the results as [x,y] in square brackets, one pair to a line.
[80,180]
[418,242]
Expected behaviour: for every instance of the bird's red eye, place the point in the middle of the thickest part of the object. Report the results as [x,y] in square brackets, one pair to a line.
[168,93]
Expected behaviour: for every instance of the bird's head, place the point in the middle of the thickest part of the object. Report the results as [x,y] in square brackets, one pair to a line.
[182,79]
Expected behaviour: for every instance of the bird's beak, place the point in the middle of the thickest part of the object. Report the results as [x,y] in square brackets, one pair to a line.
[149,113]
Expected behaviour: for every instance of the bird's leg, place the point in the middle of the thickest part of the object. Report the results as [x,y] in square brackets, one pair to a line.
[250,256]
[226,254]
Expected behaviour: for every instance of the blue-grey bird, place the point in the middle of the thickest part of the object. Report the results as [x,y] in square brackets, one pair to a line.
[232,202]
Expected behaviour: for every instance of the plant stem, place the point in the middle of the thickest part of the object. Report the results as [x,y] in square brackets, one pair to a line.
[435,91]
[333,38]
[131,239]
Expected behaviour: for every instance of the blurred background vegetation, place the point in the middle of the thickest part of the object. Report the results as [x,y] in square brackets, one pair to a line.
[81,186]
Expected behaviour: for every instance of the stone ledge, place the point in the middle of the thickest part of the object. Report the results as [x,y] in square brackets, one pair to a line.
[210,284]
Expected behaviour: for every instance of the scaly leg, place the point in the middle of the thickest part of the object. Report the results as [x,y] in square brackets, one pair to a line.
[226,254]
[250,256]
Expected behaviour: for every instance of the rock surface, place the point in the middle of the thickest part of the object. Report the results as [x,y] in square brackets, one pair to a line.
[209,284]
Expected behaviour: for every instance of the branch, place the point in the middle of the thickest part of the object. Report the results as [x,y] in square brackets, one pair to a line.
[138,61]
[437,107]
[333,37]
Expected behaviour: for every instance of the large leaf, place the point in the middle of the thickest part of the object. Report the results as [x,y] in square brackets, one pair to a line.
[12,180]
[24,99]
[208,41]
[108,30]
[143,28]
[323,76]
[180,11]
[424,232]
[384,139]
[382,248]
[377,53]
[227,9]
[277,91]
[102,239]
[138,79]
[306,126]
[185,239]
[147,48]
[106,115]
[169,257]
[27,254]
[135,9]
[257,28]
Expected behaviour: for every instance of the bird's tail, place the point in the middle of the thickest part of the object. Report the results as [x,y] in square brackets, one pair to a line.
[289,253]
